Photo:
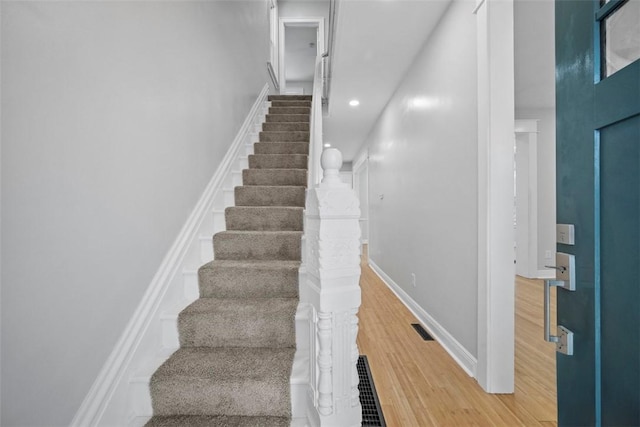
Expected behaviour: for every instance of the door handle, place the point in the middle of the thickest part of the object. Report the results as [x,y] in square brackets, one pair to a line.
[565,278]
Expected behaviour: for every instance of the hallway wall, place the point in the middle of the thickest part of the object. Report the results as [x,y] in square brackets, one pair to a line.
[423,178]
[115,116]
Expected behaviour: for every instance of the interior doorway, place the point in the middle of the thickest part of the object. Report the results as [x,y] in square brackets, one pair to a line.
[301,41]
[535,364]
[526,198]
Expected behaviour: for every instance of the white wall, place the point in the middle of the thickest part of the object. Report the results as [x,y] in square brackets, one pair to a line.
[546,179]
[306,9]
[115,116]
[307,87]
[423,171]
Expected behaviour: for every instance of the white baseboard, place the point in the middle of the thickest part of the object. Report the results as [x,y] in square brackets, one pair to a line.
[456,350]
[117,370]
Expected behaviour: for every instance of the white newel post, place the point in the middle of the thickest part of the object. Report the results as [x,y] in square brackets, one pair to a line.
[332,287]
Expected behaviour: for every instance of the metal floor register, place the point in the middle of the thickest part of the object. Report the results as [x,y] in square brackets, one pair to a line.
[371,411]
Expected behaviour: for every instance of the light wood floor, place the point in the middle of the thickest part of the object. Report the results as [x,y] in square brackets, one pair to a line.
[419,384]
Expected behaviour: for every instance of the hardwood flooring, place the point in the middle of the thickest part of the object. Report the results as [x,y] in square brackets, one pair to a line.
[419,384]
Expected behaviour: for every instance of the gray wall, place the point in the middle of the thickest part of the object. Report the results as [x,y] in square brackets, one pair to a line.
[423,161]
[115,117]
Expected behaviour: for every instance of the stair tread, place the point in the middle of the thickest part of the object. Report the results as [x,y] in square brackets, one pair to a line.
[253,264]
[274,187]
[290,97]
[239,322]
[287,118]
[206,305]
[271,155]
[259,233]
[281,142]
[227,364]
[278,161]
[216,420]
[281,148]
[270,195]
[224,381]
[265,245]
[249,278]
[271,177]
[274,218]
[267,208]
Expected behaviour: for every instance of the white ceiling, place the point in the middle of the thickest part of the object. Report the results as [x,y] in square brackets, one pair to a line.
[377,40]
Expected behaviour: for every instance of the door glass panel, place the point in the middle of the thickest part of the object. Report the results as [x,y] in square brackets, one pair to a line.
[620,38]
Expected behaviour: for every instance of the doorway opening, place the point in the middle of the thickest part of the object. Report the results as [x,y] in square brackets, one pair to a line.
[301,41]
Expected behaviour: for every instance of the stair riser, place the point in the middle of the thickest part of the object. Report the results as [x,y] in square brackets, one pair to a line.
[221,421]
[281,246]
[291,103]
[269,196]
[290,97]
[267,323]
[278,161]
[284,136]
[283,126]
[263,219]
[274,177]
[237,282]
[206,397]
[289,110]
[283,118]
[281,148]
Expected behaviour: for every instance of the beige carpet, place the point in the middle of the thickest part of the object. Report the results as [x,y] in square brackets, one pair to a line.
[237,341]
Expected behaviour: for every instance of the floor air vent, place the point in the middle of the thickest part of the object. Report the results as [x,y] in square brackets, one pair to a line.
[371,411]
[423,333]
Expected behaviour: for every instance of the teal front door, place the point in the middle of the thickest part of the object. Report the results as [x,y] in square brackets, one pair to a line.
[598,191]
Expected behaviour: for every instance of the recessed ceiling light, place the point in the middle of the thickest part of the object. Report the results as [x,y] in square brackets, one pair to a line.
[354,102]
[327,145]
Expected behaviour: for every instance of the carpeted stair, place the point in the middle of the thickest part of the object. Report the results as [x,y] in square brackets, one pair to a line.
[237,341]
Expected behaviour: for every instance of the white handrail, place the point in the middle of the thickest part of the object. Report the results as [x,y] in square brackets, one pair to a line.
[316,142]
[272,74]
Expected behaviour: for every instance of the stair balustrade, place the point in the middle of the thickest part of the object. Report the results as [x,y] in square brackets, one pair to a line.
[331,288]
[315,125]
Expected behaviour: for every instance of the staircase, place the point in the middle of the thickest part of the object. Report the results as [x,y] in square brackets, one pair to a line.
[238,340]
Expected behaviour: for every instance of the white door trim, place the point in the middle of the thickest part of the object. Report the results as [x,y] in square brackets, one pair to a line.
[496,117]
[306,22]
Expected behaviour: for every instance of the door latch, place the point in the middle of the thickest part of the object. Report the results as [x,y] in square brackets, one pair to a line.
[566,279]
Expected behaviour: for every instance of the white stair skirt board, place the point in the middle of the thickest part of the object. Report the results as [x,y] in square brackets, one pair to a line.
[110,400]
[206,248]
[437,331]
